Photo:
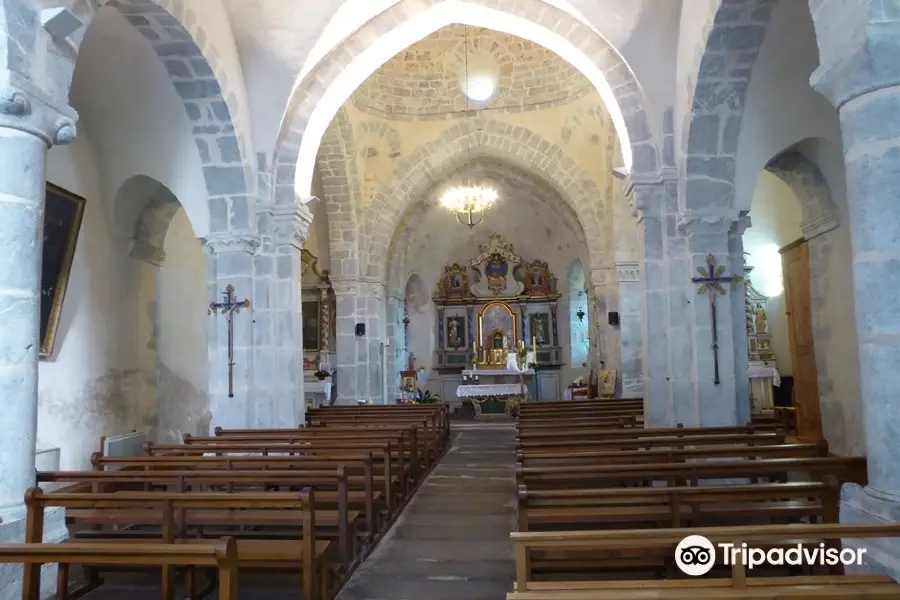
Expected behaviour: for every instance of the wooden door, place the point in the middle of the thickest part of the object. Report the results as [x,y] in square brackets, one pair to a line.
[795,263]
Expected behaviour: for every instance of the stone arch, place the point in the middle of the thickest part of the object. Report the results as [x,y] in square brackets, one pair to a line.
[819,211]
[581,117]
[379,146]
[340,183]
[432,161]
[157,206]
[331,81]
[212,101]
[717,87]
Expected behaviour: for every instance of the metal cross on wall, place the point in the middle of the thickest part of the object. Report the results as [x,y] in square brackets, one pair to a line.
[711,281]
[228,306]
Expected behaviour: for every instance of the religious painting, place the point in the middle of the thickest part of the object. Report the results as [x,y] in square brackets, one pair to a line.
[540,329]
[312,333]
[455,282]
[537,278]
[495,270]
[498,321]
[456,332]
[408,381]
[63,212]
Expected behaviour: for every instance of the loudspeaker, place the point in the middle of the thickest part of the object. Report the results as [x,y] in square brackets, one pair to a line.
[360,329]
[614,318]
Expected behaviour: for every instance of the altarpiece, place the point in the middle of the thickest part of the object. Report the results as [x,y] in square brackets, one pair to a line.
[493,307]
[319,313]
[762,369]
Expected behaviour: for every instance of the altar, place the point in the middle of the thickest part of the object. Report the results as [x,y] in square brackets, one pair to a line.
[496,320]
[762,370]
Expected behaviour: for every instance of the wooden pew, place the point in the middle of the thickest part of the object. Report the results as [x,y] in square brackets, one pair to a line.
[619,508]
[662,543]
[569,434]
[852,469]
[180,518]
[221,555]
[564,446]
[669,455]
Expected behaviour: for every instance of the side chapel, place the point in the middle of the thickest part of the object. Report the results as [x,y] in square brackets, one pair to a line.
[488,308]
[319,318]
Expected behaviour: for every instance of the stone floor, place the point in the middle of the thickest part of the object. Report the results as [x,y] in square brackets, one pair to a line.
[451,542]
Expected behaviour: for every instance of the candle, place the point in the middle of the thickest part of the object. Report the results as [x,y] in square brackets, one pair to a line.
[533,341]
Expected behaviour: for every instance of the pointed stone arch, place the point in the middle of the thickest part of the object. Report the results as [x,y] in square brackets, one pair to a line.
[433,161]
[806,180]
[717,88]
[320,92]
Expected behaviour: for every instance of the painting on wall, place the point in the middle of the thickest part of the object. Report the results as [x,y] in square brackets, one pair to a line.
[540,329]
[63,212]
[456,332]
[312,334]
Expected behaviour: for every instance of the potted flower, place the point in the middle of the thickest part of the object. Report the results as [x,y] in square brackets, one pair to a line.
[321,374]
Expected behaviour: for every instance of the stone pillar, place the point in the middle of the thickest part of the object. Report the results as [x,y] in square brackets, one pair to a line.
[395,333]
[737,299]
[291,228]
[346,292]
[859,41]
[371,369]
[30,123]
[231,261]
[630,300]
[711,404]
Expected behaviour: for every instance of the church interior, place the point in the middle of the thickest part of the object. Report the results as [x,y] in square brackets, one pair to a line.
[448,269]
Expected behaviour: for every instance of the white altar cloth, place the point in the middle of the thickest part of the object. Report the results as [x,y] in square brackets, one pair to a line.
[318,387]
[485,390]
[761,372]
[495,372]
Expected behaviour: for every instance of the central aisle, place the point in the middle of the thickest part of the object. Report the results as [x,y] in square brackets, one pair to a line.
[452,541]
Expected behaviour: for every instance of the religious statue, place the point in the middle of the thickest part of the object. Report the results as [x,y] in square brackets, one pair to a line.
[762,321]
[453,333]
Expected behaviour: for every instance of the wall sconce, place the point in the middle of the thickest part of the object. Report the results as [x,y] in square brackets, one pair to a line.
[580,315]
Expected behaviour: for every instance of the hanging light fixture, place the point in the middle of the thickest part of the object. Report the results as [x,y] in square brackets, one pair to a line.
[469,202]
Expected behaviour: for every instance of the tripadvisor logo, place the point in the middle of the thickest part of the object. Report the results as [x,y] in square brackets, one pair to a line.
[695,555]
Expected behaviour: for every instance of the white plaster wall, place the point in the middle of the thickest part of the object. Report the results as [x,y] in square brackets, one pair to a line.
[92,386]
[776,220]
[780,107]
[138,121]
[181,325]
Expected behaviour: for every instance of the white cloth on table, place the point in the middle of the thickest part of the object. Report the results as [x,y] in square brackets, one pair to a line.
[495,372]
[490,389]
[761,372]
[318,387]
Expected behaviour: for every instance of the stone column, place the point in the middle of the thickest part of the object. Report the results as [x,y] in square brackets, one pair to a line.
[395,333]
[371,369]
[737,300]
[346,292]
[291,228]
[29,124]
[630,300]
[711,404]
[231,261]
[859,42]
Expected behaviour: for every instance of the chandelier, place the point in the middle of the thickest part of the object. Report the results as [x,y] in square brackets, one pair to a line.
[469,202]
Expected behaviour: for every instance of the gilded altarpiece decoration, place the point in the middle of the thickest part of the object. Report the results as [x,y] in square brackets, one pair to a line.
[319,312]
[492,306]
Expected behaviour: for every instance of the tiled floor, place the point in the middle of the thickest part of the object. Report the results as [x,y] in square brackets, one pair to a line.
[451,542]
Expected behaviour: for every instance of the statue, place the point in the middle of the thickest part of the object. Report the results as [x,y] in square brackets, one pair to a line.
[455,341]
[762,323]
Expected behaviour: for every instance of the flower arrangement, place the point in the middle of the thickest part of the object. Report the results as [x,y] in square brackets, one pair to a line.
[321,374]
[579,382]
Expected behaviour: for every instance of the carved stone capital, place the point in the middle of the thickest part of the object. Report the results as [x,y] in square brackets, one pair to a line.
[345,287]
[824,222]
[291,224]
[372,289]
[740,226]
[26,108]
[232,241]
[628,271]
[704,224]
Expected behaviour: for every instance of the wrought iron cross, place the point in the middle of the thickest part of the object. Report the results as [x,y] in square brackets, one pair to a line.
[711,280]
[228,306]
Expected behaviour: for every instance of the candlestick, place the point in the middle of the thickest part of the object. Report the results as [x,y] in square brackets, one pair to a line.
[533,342]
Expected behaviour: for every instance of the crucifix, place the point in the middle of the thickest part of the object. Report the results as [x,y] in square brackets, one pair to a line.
[711,280]
[228,306]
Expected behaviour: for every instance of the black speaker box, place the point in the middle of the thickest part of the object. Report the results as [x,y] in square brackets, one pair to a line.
[613,318]
[360,329]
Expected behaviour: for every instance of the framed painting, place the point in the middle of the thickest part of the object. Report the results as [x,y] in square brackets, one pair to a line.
[312,331]
[63,212]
